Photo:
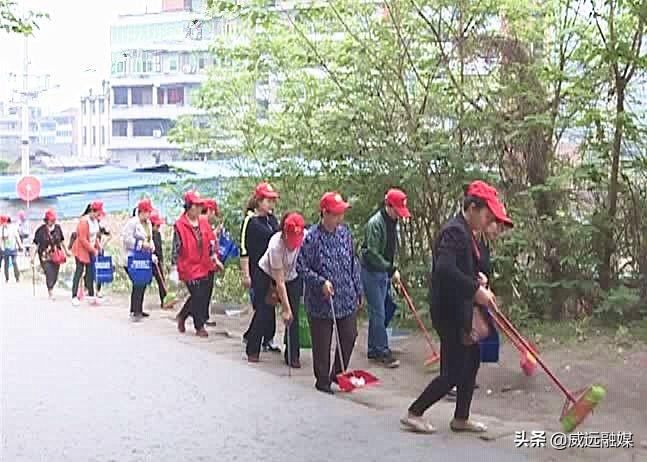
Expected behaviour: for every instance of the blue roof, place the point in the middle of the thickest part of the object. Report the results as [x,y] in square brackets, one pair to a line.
[110,178]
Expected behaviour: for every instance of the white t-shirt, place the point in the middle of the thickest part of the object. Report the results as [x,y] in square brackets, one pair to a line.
[94,230]
[278,256]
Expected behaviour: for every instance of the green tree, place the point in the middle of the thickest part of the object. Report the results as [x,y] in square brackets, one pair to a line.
[12,22]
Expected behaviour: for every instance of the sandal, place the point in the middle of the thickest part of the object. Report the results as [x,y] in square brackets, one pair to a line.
[467,426]
[417,424]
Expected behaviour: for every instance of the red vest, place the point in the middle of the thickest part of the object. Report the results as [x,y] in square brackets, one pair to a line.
[194,262]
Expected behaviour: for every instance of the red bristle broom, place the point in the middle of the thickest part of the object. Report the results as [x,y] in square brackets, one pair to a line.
[434,357]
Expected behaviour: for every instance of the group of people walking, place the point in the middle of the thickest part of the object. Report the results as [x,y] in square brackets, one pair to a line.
[284,261]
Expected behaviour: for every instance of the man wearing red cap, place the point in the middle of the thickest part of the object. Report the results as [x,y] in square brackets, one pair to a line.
[456,287]
[193,259]
[333,287]
[259,225]
[85,246]
[138,237]
[378,270]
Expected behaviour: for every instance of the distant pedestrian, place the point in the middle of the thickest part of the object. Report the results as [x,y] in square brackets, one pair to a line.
[330,270]
[85,247]
[158,270]
[105,236]
[10,245]
[193,259]
[259,225]
[138,237]
[277,274]
[378,271]
[456,288]
[51,250]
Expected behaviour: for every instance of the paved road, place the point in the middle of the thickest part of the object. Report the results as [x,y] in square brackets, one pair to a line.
[77,386]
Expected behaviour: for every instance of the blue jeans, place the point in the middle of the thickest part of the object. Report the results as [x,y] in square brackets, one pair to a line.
[376,287]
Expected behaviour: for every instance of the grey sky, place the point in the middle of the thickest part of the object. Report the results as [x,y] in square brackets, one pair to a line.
[72,42]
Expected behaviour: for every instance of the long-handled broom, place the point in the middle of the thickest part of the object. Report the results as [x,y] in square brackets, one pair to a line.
[170,299]
[434,357]
[575,409]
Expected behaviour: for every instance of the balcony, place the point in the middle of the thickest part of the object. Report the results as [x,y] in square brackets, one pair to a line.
[150,111]
[157,79]
[139,142]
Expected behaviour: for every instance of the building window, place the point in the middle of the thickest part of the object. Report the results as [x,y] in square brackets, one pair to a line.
[160,95]
[119,128]
[85,136]
[151,127]
[94,106]
[84,107]
[94,136]
[142,95]
[102,106]
[103,135]
[172,63]
[176,96]
[121,95]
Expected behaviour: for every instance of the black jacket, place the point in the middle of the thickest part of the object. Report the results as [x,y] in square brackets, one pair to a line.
[454,276]
[157,242]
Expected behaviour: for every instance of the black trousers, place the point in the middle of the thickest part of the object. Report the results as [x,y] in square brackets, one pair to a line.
[459,365]
[16,272]
[51,273]
[295,291]
[136,297]
[212,279]
[81,269]
[158,274]
[265,315]
[197,304]
[270,331]
[321,331]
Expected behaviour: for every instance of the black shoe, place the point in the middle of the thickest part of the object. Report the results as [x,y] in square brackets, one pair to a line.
[476,386]
[145,315]
[325,389]
[451,394]
[387,361]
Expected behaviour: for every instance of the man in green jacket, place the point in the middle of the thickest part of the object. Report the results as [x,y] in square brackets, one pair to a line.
[378,270]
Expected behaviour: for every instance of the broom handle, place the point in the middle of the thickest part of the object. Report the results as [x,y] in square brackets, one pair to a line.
[161,276]
[407,298]
[334,323]
[500,319]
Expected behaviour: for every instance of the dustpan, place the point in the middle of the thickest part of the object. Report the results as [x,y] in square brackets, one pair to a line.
[349,380]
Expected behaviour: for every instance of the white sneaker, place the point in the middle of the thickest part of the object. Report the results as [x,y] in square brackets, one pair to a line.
[76,302]
[95,301]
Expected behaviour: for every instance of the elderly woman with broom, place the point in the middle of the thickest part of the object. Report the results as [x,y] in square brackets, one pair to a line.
[329,268]
[455,290]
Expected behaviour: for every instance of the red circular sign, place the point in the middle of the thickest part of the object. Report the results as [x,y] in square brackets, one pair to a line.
[28,188]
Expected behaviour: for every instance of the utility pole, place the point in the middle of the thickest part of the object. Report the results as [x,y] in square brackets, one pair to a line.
[24,142]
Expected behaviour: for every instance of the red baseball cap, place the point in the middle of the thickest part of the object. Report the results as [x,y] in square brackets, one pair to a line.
[397,199]
[145,205]
[50,215]
[156,219]
[490,195]
[4,219]
[332,202]
[294,230]
[193,198]
[97,206]
[211,204]
[266,191]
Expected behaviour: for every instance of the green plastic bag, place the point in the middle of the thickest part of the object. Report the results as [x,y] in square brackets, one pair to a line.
[305,341]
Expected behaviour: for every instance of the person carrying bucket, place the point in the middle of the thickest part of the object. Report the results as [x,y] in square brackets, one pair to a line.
[329,267]
[192,260]
[158,270]
[85,247]
[259,225]
[378,271]
[455,290]
[137,236]
[277,281]
[10,244]
[211,212]
[51,250]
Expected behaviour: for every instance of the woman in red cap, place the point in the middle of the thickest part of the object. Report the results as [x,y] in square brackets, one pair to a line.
[193,259]
[137,236]
[158,270]
[259,225]
[51,250]
[277,274]
[456,287]
[330,270]
[85,247]
[211,213]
